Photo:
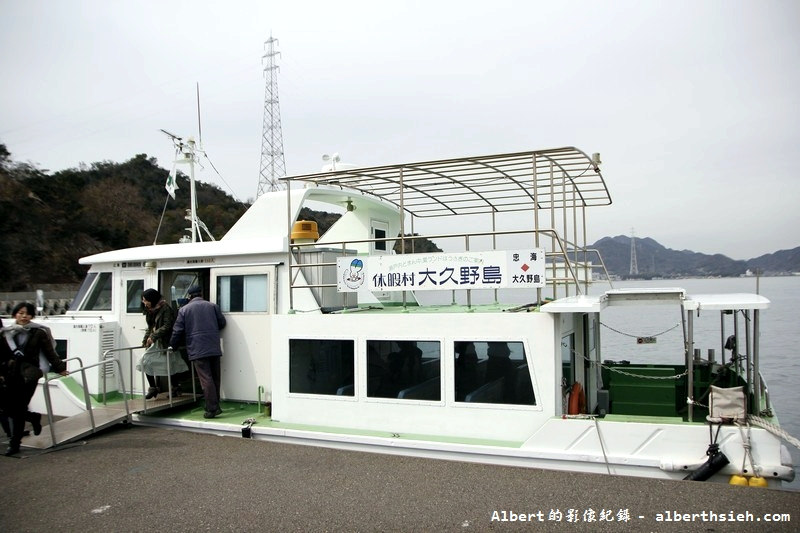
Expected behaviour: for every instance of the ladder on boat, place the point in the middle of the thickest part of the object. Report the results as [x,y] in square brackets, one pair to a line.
[98,416]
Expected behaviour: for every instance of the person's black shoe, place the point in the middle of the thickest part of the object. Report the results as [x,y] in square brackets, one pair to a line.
[12,450]
[36,422]
[210,414]
[152,392]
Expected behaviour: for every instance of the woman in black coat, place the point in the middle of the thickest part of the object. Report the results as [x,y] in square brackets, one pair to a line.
[20,347]
[160,318]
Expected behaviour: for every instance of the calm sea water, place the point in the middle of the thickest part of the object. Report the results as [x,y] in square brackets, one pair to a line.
[780,337]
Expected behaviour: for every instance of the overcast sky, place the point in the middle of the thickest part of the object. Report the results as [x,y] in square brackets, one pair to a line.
[693,105]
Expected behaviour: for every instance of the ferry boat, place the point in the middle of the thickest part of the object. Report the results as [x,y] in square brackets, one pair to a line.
[488,351]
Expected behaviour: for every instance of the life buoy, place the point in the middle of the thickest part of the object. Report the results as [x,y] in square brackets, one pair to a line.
[577,400]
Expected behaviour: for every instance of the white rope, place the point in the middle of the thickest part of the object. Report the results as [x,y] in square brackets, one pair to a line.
[637,336]
[775,430]
[620,371]
[602,446]
[748,449]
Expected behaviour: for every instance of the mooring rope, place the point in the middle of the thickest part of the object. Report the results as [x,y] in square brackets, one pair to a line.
[772,428]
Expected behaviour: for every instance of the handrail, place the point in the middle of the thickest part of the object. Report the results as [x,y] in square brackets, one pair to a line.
[130,366]
[561,251]
[765,391]
[86,395]
[167,351]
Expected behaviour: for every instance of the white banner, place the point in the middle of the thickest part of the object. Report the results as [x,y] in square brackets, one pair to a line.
[523,269]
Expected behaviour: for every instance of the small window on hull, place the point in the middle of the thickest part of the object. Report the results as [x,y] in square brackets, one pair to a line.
[404,369]
[492,372]
[321,366]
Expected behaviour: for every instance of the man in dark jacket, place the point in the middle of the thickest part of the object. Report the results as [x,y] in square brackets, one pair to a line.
[198,325]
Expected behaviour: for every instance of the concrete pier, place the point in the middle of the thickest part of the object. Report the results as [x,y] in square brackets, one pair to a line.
[148,479]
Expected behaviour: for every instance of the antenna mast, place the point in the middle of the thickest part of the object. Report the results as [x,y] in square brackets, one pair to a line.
[272,162]
[186,152]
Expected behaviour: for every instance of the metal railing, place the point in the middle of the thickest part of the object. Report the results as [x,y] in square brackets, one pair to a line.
[565,269]
[167,352]
[86,396]
[765,391]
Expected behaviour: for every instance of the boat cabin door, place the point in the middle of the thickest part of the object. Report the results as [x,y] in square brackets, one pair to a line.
[132,325]
[247,296]
[579,347]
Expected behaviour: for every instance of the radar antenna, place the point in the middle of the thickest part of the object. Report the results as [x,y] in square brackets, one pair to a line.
[186,153]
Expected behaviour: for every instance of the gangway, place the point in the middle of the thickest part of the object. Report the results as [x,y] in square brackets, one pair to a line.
[92,420]
[105,412]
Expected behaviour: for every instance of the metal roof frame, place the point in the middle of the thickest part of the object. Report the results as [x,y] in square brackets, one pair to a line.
[554,178]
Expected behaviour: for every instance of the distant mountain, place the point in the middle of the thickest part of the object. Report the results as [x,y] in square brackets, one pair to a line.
[654,260]
[780,261]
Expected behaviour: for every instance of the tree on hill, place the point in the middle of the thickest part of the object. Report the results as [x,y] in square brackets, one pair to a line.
[50,221]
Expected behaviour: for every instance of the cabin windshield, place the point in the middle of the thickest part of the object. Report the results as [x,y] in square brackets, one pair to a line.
[94,293]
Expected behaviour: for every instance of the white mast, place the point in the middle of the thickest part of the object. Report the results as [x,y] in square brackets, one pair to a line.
[186,152]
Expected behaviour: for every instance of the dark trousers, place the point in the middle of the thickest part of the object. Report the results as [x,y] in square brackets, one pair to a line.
[19,396]
[208,371]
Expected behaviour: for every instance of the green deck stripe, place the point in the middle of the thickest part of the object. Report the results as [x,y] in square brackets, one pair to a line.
[235,413]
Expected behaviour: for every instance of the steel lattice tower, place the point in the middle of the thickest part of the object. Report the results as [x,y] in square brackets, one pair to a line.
[272,162]
[634,265]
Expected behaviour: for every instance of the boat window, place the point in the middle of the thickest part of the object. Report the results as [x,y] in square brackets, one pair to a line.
[135,288]
[404,369]
[243,293]
[380,230]
[321,366]
[99,299]
[492,372]
[84,288]
[175,284]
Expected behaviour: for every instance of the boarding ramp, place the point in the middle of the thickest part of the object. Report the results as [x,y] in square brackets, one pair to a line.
[111,407]
[95,417]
